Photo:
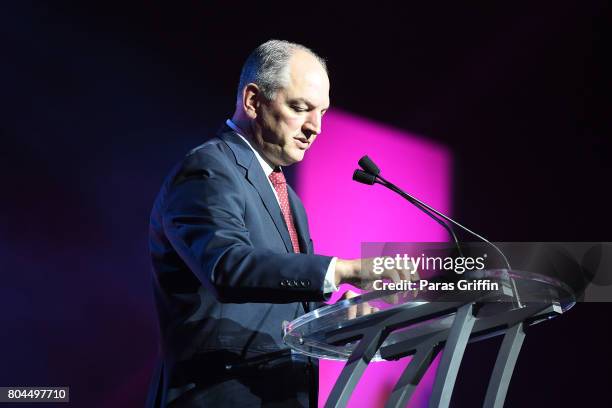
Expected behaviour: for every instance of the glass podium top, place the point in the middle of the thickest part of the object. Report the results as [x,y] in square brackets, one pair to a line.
[501,298]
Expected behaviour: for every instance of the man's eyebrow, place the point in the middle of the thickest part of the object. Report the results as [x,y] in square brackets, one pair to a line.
[301,100]
[305,102]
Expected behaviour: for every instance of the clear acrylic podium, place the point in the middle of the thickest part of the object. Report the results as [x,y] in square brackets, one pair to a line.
[426,323]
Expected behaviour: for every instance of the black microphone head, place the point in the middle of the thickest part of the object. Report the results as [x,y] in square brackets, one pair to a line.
[368,166]
[361,176]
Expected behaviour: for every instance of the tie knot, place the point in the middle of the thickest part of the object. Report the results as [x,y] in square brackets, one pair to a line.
[277,177]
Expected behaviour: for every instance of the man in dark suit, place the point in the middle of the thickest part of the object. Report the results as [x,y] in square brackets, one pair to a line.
[231,249]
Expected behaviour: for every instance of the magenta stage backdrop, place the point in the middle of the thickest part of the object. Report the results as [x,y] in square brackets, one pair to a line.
[343,214]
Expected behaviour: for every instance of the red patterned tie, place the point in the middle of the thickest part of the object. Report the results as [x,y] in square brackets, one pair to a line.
[280,185]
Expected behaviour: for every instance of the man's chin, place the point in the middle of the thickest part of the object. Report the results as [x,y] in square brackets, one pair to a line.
[294,157]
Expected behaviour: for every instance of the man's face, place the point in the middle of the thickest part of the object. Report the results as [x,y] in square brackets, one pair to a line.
[286,126]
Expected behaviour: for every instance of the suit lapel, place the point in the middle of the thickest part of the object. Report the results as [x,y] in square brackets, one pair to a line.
[257,178]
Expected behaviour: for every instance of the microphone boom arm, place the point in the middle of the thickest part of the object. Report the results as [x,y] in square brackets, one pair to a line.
[424,207]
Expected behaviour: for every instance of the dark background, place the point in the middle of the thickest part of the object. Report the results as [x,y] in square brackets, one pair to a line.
[100,99]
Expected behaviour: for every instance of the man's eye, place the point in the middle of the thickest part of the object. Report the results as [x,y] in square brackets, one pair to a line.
[298,109]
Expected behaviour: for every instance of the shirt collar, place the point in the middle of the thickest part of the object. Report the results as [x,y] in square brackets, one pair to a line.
[264,164]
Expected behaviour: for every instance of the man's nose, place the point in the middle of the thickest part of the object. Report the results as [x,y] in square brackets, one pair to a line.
[313,123]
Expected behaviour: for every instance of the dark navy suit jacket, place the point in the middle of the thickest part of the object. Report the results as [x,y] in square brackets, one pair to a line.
[225,280]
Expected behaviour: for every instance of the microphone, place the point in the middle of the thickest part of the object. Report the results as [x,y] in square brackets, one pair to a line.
[371,175]
[368,166]
[361,176]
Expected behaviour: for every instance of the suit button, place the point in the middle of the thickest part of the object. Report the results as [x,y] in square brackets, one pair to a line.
[305,283]
[295,283]
[283,283]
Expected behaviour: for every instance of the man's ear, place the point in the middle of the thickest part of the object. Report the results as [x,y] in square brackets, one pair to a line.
[251,96]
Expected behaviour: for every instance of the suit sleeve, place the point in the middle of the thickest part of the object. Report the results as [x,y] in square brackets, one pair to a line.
[203,218]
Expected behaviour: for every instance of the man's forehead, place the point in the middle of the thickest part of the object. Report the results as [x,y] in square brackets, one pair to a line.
[309,84]
[317,99]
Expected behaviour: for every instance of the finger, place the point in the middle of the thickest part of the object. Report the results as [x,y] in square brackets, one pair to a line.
[368,309]
[393,275]
[405,274]
[349,294]
[351,312]
[364,309]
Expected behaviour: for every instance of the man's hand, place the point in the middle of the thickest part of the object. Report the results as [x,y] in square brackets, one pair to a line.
[359,273]
[360,309]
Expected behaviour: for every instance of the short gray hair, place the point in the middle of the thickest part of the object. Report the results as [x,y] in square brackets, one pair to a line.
[267,67]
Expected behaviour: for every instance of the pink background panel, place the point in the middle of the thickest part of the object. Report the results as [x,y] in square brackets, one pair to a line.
[343,214]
